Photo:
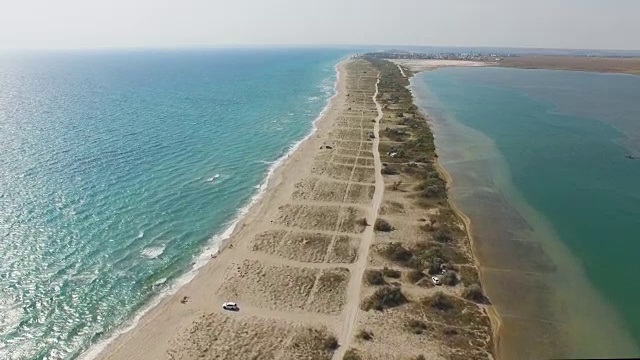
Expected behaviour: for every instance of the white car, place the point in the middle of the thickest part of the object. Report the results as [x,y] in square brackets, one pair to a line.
[230,306]
[436,280]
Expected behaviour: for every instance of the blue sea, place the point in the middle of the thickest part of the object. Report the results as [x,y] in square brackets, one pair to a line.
[121,170]
[546,164]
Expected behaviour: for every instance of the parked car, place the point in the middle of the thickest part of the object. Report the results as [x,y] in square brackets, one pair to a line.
[230,306]
[436,280]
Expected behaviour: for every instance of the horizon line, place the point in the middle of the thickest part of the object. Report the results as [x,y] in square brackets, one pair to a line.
[317,46]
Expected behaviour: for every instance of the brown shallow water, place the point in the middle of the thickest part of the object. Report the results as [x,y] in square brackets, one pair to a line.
[547,307]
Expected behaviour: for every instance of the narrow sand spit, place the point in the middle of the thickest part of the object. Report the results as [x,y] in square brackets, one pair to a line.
[417,65]
[294,265]
[403,313]
[300,264]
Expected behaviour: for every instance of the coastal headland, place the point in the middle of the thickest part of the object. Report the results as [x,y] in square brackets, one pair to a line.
[337,259]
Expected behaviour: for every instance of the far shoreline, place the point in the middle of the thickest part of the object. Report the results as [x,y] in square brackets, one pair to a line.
[605,65]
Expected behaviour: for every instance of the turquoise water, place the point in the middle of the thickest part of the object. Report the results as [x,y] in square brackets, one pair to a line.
[118,169]
[563,141]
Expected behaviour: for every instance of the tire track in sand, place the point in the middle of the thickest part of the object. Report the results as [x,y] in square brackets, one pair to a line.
[350,312]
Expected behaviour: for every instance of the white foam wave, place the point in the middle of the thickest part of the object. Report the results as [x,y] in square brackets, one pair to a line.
[212,179]
[312,98]
[213,247]
[153,251]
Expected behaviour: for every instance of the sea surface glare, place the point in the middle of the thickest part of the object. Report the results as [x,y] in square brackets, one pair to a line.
[118,169]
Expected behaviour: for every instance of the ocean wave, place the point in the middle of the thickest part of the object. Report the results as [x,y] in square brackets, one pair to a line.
[213,244]
[153,251]
[213,178]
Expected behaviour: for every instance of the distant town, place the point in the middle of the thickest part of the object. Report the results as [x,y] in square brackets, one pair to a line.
[470,56]
[483,56]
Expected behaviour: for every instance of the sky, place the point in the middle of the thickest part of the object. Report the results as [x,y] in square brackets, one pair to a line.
[582,24]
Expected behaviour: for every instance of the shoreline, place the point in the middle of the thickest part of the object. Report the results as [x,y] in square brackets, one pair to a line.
[570,341]
[221,241]
[416,67]
[492,313]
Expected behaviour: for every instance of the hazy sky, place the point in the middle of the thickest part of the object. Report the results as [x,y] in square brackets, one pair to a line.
[599,24]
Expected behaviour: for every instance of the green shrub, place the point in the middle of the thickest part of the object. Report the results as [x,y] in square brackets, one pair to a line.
[415,275]
[382,225]
[331,343]
[433,192]
[440,301]
[365,335]
[450,278]
[449,331]
[389,170]
[435,265]
[394,274]
[374,277]
[396,252]
[384,298]
[351,354]
[416,326]
[443,235]
[474,293]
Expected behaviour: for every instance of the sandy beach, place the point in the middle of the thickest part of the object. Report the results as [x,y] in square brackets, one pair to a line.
[418,65]
[292,264]
[300,264]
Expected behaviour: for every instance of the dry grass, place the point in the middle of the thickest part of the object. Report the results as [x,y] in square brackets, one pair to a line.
[363,175]
[329,191]
[303,189]
[310,343]
[268,241]
[344,250]
[392,208]
[329,296]
[305,246]
[349,220]
[312,217]
[362,194]
[269,286]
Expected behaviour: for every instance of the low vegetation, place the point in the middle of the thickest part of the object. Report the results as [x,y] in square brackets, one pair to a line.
[415,275]
[417,326]
[440,301]
[374,277]
[409,155]
[397,253]
[365,335]
[474,293]
[391,273]
[443,235]
[352,354]
[450,278]
[389,170]
[382,225]
[423,257]
[331,343]
[384,298]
